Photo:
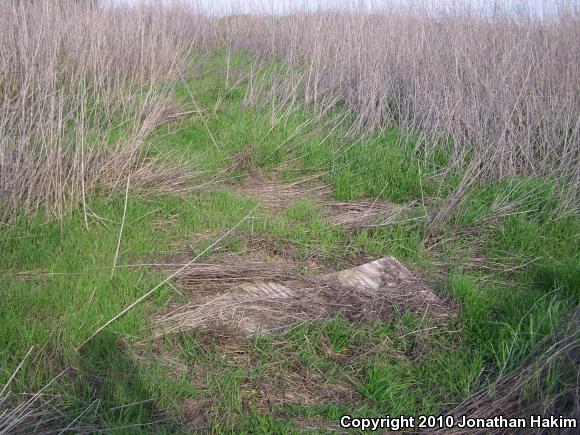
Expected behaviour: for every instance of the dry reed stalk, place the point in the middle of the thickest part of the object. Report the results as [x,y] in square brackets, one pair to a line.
[497,93]
[121,228]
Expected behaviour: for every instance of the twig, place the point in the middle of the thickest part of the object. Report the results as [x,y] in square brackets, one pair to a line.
[16,371]
[121,229]
[154,289]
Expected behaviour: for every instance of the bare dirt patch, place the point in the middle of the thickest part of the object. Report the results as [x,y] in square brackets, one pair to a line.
[194,412]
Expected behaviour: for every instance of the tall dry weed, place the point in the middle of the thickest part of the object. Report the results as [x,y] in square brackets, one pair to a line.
[80,89]
[497,92]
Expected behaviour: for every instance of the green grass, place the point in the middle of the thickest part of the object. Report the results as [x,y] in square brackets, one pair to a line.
[57,287]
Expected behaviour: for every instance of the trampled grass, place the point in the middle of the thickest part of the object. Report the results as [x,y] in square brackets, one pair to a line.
[505,258]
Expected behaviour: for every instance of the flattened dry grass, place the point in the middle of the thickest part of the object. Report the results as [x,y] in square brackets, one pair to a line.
[253,297]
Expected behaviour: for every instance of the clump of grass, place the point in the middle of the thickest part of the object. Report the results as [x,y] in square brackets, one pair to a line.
[544,383]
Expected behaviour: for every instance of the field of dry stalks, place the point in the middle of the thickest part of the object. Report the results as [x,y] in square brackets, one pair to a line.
[449,139]
[493,96]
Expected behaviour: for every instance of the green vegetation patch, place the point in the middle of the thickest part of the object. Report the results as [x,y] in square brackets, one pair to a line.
[505,257]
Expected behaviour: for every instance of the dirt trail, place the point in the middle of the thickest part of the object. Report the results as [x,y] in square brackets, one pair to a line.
[246,296]
[233,297]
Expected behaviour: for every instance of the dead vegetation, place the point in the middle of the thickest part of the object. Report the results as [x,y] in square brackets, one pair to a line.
[300,389]
[232,270]
[420,67]
[366,213]
[77,101]
[251,298]
[281,256]
[265,293]
[278,196]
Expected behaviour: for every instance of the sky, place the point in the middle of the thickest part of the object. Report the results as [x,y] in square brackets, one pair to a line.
[226,7]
